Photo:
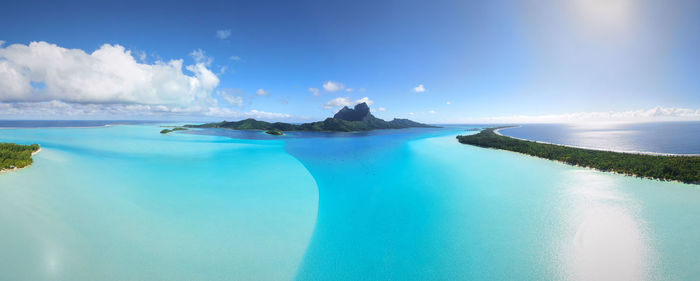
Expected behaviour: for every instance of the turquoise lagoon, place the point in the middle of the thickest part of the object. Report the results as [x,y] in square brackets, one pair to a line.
[127,203]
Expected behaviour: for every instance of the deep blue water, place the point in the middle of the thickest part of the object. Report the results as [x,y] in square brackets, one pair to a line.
[662,137]
[128,203]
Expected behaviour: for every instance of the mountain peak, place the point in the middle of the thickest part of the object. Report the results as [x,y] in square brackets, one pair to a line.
[360,111]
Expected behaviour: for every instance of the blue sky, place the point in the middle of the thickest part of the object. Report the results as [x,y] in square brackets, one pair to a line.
[475,60]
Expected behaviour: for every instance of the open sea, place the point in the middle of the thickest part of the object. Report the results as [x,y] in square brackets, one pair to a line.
[661,137]
[124,202]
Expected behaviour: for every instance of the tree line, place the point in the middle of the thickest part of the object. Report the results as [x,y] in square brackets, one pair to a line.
[664,167]
[16,155]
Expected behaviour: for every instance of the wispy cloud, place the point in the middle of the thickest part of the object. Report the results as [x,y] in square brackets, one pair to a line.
[655,114]
[229,96]
[315,91]
[223,33]
[262,92]
[63,110]
[346,101]
[200,56]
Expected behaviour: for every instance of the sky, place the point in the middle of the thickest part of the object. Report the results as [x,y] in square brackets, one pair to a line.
[297,61]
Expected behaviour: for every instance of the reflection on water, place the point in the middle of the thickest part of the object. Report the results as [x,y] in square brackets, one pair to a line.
[605,238]
[666,137]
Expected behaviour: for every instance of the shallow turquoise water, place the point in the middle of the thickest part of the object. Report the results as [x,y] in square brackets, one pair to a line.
[126,203]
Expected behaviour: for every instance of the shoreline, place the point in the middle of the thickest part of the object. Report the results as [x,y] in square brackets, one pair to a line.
[496,131]
[629,168]
[17,169]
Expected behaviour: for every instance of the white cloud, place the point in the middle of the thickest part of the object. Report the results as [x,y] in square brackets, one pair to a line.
[199,56]
[235,58]
[110,74]
[419,89]
[228,96]
[448,103]
[338,102]
[381,109]
[63,110]
[431,111]
[332,86]
[655,114]
[365,99]
[141,55]
[223,33]
[345,101]
[2,43]
[315,91]
[349,90]
[262,92]
[411,113]
[266,115]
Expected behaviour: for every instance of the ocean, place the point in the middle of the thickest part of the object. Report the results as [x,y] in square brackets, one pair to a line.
[661,137]
[124,202]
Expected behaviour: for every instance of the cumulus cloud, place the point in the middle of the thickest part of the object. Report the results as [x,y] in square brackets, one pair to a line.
[332,86]
[262,92]
[346,101]
[448,103]
[110,74]
[2,43]
[431,111]
[643,115]
[315,91]
[338,102]
[223,33]
[419,89]
[349,90]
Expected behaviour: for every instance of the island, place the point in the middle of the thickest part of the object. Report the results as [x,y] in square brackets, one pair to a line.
[16,156]
[663,167]
[166,131]
[274,132]
[358,118]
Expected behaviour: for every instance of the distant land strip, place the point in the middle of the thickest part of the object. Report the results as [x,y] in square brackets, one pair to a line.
[681,168]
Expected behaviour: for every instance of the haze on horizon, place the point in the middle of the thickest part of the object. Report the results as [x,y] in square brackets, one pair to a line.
[436,61]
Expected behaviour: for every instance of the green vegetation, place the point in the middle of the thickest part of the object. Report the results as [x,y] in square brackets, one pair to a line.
[165,131]
[274,132]
[16,155]
[681,168]
[346,120]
